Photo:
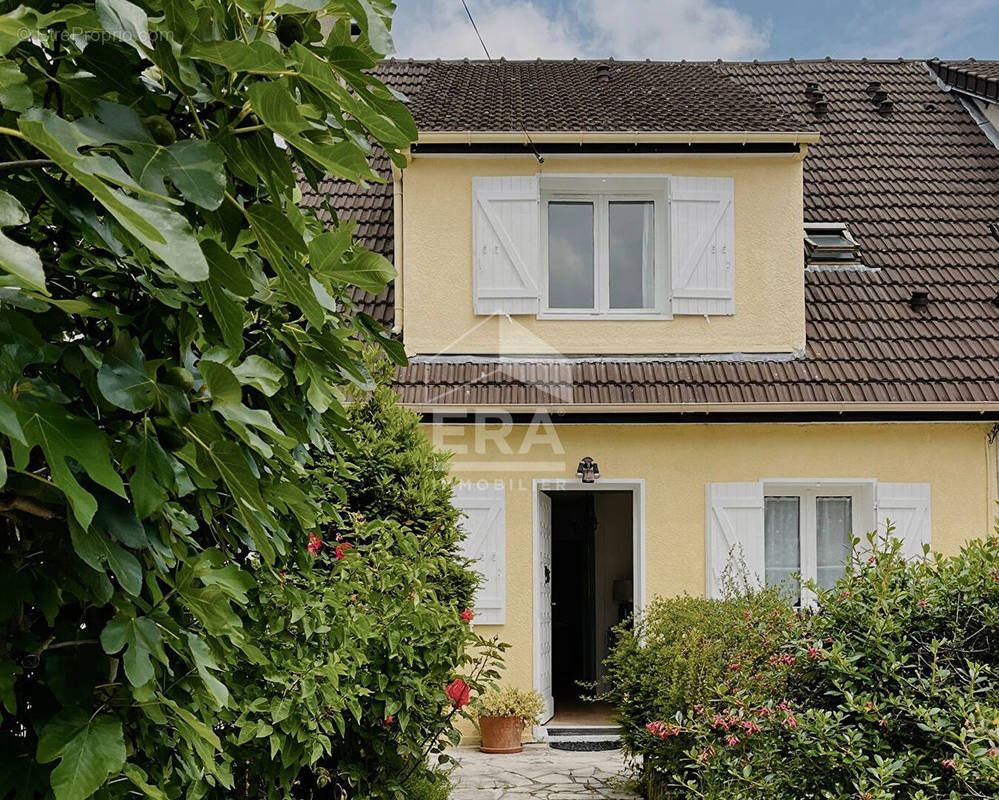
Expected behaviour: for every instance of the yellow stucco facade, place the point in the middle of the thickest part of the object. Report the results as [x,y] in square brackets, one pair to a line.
[434,257]
[677,461]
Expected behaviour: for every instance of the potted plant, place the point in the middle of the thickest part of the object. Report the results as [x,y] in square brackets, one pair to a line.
[503,715]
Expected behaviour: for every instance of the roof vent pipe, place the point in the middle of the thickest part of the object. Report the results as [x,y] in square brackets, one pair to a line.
[920,300]
[873,86]
[886,108]
[603,73]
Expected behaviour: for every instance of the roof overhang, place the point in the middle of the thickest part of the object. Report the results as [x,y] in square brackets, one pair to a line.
[966,411]
[617,137]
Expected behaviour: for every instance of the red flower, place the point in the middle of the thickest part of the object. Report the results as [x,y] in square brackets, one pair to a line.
[341,550]
[314,544]
[459,692]
[467,615]
[791,721]
[731,740]
[922,604]
[388,721]
[813,653]
[947,763]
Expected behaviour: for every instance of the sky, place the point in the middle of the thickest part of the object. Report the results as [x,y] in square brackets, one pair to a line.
[699,29]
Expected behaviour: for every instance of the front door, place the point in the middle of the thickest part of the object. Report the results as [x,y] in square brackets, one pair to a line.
[543,611]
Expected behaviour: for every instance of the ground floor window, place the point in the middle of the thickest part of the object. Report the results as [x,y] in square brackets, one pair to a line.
[806,534]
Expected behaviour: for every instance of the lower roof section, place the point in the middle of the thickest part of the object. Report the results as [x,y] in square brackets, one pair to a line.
[864,379]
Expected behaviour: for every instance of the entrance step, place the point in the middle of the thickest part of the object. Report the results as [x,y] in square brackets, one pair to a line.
[584,737]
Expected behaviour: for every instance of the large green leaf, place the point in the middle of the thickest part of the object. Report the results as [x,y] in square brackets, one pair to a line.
[90,749]
[20,261]
[366,270]
[143,641]
[15,94]
[165,232]
[124,379]
[152,473]
[274,104]
[63,436]
[96,549]
[255,57]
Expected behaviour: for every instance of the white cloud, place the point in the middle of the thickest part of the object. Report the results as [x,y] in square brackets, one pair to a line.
[625,29]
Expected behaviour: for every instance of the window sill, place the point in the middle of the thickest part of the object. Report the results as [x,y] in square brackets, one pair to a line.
[647,316]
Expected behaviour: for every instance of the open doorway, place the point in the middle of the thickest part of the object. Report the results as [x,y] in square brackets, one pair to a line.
[591,573]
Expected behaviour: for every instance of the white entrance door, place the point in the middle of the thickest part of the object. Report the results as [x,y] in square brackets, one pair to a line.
[543,597]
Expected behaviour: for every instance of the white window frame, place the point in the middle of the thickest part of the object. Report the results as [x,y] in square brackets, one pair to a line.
[862,505]
[600,190]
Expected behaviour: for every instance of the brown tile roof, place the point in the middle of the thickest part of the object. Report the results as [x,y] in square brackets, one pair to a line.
[371,207]
[978,77]
[572,96]
[917,184]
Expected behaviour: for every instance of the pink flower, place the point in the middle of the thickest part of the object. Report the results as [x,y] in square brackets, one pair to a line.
[459,692]
[947,763]
[315,543]
[993,752]
[706,753]
[341,550]
[467,615]
[922,604]
[731,740]
[791,721]
[663,730]
[813,653]
[388,721]
[844,595]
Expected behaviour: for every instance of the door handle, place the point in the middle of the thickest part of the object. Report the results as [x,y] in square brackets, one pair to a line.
[548,575]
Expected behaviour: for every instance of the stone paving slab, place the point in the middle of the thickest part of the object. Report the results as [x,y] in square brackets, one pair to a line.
[540,772]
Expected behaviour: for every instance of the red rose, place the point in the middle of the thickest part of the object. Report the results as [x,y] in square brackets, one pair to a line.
[314,544]
[467,615]
[459,692]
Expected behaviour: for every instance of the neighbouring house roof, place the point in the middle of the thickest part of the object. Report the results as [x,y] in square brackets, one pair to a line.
[980,78]
[908,171]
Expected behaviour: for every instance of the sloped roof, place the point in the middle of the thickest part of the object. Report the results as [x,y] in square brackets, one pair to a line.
[977,77]
[917,185]
[590,96]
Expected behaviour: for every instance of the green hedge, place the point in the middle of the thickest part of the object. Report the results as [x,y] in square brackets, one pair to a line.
[888,691]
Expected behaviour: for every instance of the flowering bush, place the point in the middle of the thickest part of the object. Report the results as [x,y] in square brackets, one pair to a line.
[889,691]
[684,652]
[509,701]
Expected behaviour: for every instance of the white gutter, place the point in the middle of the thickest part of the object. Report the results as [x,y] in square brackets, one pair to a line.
[700,408]
[397,247]
[617,137]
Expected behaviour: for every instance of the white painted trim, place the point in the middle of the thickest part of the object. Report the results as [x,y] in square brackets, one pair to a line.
[625,137]
[599,190]
[983,408]
[637,488]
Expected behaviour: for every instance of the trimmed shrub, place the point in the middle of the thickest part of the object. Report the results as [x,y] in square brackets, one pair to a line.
[889,691]
[686,651]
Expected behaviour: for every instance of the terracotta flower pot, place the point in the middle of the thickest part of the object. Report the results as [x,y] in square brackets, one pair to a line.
[501,734]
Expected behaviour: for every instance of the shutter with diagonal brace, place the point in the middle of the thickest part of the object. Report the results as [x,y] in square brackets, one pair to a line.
[907,507]
[702,245]
[484,524]
[505,225]
[734,531]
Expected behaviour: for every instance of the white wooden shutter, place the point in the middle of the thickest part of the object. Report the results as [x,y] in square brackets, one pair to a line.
[907,506]
[702,245]
[505,241]
[484,524]
[734,529]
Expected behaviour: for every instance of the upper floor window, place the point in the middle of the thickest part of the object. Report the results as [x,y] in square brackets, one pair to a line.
[615,246]
[605,245]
